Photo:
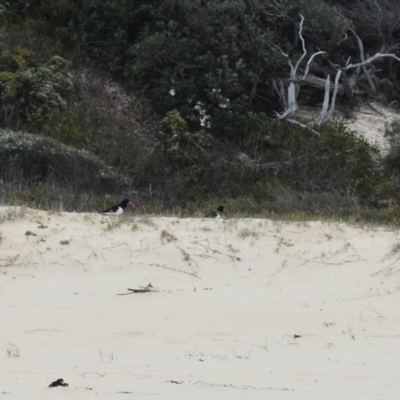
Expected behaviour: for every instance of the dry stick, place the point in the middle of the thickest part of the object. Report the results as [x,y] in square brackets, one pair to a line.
[97,256]
[113,247]
[233,258]
[101,375]
[204,255]
[376,110]
[372,308]
[20,264]
[289,338]
[292,121]
[33,276]
[237,355]
[130,250]
[118,245]
[265,347]
[10,260]
[387,269]
[142,242]
[326,263]
[198,242]
[174,269]
[142,290]
[40,252]
[101,255]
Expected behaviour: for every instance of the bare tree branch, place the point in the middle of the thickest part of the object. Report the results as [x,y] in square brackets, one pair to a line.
[310,61]
[325,105]
[325,115]
[341,85]
[362,57]
[280,90]
[370,60]
[293,87]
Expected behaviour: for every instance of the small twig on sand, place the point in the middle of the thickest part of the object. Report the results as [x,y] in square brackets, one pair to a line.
[143,289]
[246,357]
[86,373]
[207,248]
[141,243]
[40,252]
[20,264]
[378,316]
[130,250]
[16,276]
[118,245]
[174,269]
[92,253]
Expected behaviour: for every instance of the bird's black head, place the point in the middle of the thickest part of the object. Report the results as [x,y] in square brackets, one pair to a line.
[127,202]
[222,210]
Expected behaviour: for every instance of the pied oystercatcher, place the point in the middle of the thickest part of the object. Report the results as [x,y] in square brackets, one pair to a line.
[120,208]
[218,213]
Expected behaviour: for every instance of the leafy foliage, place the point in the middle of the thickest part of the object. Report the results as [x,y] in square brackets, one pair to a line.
[35,158]
[339,161]
[30,91]
[188,63]
[392,159]
[208,69]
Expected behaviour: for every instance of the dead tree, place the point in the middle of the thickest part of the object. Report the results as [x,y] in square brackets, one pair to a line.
[294,81]
[292,85]
[327,109]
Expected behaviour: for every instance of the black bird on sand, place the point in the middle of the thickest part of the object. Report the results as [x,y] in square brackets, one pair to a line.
[58,382]
[119,208]
[218,213]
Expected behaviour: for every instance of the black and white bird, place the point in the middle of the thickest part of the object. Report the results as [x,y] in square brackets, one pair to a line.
[120,208]
[58,382]
[218,213]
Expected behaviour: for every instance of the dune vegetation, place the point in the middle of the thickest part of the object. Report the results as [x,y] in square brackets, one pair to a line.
[186,104]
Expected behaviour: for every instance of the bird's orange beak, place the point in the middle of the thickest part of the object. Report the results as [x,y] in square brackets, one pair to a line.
[226,211]
[131,204]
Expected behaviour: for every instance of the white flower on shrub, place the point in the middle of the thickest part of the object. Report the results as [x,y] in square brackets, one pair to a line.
[204,118]
[223,102]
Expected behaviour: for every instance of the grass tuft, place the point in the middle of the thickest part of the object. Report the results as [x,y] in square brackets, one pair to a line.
[167,236]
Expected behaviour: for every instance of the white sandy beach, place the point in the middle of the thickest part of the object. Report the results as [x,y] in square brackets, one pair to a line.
[229,297]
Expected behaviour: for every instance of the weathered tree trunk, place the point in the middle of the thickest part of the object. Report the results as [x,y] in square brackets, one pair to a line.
[341,83]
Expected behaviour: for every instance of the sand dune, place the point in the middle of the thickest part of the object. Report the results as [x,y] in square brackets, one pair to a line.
[241,308]
[370,120]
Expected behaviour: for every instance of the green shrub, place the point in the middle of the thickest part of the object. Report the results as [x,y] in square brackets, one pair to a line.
[29,90]
[65,126]
[392,159]
[42,159]
[338,161]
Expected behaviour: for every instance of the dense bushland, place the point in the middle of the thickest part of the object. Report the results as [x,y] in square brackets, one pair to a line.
[181,99]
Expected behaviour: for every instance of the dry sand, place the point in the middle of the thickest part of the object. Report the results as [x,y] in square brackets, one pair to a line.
[370,120]
[232,296]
